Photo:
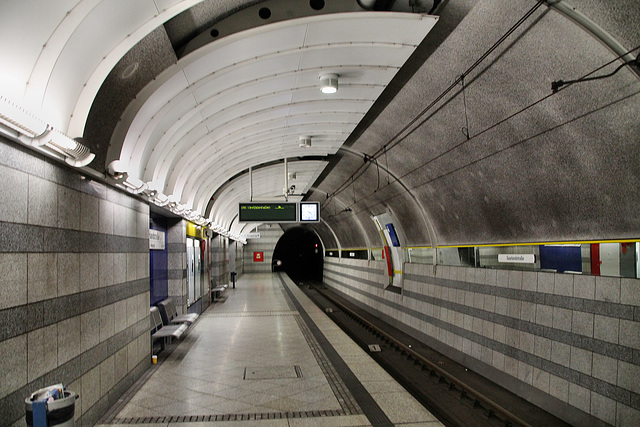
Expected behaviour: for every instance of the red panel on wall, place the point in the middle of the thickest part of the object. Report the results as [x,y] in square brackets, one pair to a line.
[595,259]
[258,257]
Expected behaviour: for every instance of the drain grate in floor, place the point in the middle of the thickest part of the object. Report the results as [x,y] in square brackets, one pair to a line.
[272,372]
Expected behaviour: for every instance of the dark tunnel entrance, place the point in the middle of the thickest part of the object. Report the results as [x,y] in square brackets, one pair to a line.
[299,254]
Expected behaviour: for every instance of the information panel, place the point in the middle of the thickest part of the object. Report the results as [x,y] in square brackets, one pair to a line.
[268,212]
[309,212]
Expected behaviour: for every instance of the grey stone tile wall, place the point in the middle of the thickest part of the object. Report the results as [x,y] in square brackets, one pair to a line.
[219,265]
[269,236]
[74,285]
[556,339]
[177,263]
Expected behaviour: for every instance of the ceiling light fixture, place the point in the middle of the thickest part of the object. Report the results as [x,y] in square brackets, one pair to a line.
[134,185]
[304,141]
[329,83]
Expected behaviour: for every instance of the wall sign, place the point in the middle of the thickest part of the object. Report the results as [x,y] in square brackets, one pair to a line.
[517,258]
[251,235]
[156,240]
[258,256]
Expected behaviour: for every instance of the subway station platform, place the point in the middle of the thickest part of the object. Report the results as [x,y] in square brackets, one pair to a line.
[266,355]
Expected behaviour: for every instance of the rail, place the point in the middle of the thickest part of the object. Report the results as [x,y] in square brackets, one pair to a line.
[492,407]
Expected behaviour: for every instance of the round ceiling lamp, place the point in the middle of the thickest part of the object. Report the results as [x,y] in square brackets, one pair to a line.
[329,83]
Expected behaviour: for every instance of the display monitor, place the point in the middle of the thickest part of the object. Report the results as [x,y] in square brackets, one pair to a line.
[309,212]
[268,212]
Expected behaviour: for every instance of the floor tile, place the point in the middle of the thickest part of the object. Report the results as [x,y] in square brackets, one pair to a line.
[256,327]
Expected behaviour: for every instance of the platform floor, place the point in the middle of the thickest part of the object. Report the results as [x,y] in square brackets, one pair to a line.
[265,355]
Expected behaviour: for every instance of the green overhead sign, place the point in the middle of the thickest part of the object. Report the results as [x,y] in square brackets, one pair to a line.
[268,212]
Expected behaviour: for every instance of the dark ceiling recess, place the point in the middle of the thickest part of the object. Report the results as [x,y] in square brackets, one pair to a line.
[265,13]
[299,254]
[317,4]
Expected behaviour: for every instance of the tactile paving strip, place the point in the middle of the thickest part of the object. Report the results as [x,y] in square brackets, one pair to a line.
[227,417]
[253,314]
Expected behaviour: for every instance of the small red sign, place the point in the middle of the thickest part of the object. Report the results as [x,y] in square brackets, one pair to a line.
[258,257]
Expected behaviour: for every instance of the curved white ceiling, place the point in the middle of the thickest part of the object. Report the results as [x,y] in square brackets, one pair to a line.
[244,100]
[55,55]
[237,102]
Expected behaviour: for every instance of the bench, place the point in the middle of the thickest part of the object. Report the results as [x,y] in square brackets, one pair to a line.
[160,330]
[217,291]
[170,315]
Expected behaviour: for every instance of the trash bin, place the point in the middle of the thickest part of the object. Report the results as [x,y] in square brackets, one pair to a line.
[50,406]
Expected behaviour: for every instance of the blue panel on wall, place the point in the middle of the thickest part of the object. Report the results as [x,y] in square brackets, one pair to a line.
[561,258]
[158,263]
[393,235]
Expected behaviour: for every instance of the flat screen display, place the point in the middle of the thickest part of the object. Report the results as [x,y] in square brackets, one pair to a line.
[309,212]
[268,212]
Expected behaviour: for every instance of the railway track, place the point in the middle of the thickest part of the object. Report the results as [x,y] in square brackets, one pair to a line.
[455,395]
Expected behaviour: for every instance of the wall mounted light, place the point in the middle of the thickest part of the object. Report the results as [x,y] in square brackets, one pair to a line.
[30,130]
[134,185]
[117,170]
[20,120]
[329,83]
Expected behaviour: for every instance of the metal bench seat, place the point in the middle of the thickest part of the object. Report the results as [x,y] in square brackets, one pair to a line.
[160,330]
[170,315]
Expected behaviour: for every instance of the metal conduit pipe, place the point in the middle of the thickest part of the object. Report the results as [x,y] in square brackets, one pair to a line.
[433,237]
[335,236]
[594,29]
[362,229]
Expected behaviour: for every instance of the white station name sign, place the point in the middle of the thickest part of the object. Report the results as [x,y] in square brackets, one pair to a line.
[251,235]
[156,240]
[517,258]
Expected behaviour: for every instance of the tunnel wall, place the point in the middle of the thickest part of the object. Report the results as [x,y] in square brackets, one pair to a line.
[569,343]
[269,236]
[74,286]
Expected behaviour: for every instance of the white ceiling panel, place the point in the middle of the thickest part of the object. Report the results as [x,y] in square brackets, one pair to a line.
[355,56]
[22,53]
[373,28]
[245,100]
[244,47]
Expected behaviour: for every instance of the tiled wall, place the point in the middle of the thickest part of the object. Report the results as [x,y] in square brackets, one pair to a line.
[269,236]
[177,262]
[569,343]
[219,261]
[74,286]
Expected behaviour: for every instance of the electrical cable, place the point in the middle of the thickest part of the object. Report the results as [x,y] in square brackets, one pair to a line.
[465,130]
[522,110]
[397,137]
[484,56]
[515,114]
[386,164]
[556,85]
